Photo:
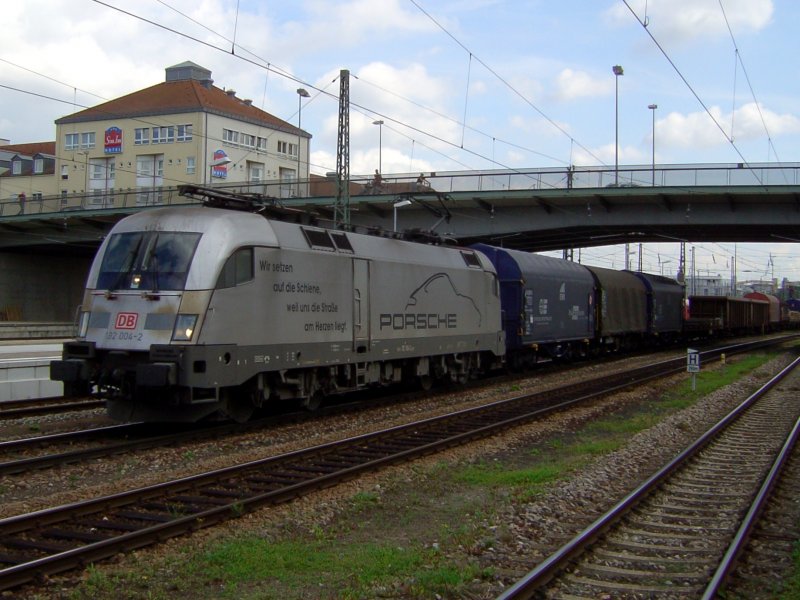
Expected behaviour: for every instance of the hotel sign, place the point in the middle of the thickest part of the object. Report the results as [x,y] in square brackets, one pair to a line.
[112,144]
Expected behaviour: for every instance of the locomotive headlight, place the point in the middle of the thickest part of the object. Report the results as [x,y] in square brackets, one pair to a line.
[184,328]
[83,323]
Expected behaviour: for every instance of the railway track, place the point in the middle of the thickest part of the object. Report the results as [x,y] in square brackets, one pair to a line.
[66,537]
[679,534]
[18,409]
[24,455]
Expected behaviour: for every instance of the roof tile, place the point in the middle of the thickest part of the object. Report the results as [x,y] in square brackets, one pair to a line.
[31,148]
[174,97]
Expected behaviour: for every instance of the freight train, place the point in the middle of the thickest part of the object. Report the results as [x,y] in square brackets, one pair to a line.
[196,312]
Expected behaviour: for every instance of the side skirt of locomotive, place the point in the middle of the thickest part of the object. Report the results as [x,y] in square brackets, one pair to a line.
[190,383]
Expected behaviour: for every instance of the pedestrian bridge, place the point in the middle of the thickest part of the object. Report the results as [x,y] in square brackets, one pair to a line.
[534,209]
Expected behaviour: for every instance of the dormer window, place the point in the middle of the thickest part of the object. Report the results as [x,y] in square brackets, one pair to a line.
[16,167]
[38,165]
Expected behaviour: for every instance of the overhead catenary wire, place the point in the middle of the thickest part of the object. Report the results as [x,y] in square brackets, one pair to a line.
[460,123]
[740,61]
[692,90]
[519,94]
[261,63]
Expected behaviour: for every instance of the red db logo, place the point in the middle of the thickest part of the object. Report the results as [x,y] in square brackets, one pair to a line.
[126,321]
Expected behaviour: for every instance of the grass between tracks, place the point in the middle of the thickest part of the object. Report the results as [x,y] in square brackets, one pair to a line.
[426,535]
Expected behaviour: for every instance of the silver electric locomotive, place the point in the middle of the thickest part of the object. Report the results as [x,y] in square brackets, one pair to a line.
[192,312]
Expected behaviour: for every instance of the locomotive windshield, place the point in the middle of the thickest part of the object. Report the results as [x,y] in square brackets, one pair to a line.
[147,260]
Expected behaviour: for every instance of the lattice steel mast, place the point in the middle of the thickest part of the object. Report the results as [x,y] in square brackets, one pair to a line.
[341,210]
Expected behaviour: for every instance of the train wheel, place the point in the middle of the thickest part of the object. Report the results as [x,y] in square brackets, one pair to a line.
[425,382]
[238,405]
[314,401]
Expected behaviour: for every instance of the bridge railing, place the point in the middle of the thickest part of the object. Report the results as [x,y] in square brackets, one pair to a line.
[773,174]
[628,176]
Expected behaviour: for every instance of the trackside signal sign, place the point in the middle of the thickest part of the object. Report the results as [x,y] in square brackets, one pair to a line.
[692,360]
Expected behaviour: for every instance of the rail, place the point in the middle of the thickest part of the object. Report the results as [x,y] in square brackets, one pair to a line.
[531,585]
[61,538]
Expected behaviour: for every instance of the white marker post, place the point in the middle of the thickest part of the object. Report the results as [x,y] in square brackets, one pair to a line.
[693,365]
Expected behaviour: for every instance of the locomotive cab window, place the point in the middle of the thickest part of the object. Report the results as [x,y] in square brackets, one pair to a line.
[147,260]
[238,269]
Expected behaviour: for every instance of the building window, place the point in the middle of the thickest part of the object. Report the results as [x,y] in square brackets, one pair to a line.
[141,136]
[184,133]
[38,165]
[261,144]
[87,140]
[230,137]
[287,148]
[64,172]
[71,141]
[37,196]
[255,172]
[98,169]
[16,167]
[248,141]
[190,165]
[163,135]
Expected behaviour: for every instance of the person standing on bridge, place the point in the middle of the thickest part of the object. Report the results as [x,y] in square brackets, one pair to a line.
[377,182]
[422,183]
[21,200]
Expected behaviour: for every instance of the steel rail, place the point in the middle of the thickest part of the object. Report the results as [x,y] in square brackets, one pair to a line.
[234,490]
[18,409]
[742,536]
[76,455]
[66,436]
[528,586]
[366,453]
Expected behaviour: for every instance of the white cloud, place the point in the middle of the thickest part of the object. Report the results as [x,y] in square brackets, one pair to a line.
[698,130]
[628,155]
[686,20]
[386,89]
[571,85]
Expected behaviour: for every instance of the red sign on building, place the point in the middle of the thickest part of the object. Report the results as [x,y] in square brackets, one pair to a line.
[112,143]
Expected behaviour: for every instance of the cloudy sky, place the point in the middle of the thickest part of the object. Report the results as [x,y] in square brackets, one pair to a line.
[459,84]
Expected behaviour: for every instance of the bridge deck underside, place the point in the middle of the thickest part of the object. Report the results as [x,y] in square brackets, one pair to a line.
[533,220]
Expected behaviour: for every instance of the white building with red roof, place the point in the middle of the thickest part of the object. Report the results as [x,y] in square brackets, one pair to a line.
[26,170]
[183,130]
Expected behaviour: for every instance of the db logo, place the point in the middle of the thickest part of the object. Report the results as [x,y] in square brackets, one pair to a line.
[126,321]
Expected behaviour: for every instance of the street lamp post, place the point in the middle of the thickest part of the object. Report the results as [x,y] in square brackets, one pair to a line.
[617,72]
[653,107]
[397,205]
[380,144]
[85,173]
[301,93]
